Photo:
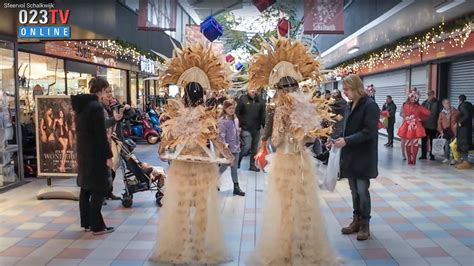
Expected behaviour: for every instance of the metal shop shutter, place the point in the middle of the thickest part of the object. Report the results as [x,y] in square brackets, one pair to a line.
[390,83]
[461,81]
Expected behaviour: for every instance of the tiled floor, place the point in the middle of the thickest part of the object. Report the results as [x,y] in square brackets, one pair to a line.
[422,215]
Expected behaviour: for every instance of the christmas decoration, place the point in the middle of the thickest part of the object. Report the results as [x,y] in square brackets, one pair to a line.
[261,5]
[239,66]
[283,26]
[211,29]
[229,58]
[454,33]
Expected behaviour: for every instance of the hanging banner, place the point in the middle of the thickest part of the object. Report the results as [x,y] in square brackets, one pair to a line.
[157,15]
[55,136]
[323,17]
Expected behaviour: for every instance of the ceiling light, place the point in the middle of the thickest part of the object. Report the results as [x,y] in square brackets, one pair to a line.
[353,50]
[448,5]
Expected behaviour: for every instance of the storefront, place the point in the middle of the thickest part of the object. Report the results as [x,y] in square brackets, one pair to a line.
[11,165]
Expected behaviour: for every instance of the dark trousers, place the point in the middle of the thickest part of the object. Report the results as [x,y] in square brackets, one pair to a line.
[250,139]
[430,135]
[111,191]
[390,129]
[90,206]
[360,197]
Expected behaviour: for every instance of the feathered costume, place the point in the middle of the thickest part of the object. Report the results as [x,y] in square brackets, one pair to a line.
[190,230]
[293,231]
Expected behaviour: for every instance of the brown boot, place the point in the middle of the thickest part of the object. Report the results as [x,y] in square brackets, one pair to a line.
[463,165]
[364,231]
[353,227]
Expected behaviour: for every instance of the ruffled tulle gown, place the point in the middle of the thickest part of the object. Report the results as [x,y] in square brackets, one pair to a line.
[293,230]
[190,230]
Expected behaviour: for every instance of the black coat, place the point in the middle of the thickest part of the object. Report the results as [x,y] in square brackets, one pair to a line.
[93,148]
[391,108]
[339,108]
[434,107]
[464,131]
[251,113]
[360,155]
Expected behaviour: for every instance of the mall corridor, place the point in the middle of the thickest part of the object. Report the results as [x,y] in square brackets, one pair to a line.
[422,215]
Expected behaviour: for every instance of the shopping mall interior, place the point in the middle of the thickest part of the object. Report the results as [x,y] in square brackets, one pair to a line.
[196,184]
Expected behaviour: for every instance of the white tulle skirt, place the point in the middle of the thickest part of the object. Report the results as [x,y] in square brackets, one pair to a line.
[190,230]
[293,230]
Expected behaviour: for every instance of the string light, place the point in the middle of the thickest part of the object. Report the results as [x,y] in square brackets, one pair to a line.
[457,38]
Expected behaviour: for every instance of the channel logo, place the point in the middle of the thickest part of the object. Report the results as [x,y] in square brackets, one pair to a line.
[44,23]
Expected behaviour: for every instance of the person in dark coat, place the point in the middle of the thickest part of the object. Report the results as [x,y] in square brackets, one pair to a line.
[93,156]
[359,154]
[338,108]
[391,108]
[430,124]
[251,114]
[464,131]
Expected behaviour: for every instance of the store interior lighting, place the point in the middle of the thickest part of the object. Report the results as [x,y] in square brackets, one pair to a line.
[447,5]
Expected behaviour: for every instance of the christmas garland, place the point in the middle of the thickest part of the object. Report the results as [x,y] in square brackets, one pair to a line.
[456,32]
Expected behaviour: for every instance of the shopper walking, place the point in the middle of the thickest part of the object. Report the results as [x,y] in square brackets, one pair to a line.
[464,131]
[447,126]
[251,113]
[430,125]
[391,108]
[93,156]
[229,132]
[359,153]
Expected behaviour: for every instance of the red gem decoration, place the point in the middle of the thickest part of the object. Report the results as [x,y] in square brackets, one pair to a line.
[263,4]
[283,26]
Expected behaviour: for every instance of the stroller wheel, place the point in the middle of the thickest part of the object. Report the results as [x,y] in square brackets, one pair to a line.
[159,196]
[127,202]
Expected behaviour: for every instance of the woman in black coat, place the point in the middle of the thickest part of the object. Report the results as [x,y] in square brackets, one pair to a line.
[93,156]
[464,131]
[359,154]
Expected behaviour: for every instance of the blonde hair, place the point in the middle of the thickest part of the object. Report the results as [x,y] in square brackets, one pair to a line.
[354,83]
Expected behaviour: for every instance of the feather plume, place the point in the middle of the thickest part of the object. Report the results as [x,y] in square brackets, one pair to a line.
[282,49]
[214,74]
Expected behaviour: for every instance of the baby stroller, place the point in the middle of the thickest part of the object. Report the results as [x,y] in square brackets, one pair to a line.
[137,176]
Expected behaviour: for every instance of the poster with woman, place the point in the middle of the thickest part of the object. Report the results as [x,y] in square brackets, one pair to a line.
[55,136]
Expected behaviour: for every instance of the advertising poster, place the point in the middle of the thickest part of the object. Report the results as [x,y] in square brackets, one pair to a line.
[55,136]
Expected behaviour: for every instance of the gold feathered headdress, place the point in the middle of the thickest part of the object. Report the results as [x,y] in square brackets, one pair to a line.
[195,63]
[282,58]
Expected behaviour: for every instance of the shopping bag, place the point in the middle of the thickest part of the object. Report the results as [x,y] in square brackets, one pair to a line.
[454,150]
[333,169]
[115,155]
[438,146]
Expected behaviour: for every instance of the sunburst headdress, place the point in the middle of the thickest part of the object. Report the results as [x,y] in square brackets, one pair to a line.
[188,131]
[285,63]
[282,58]
[195,63]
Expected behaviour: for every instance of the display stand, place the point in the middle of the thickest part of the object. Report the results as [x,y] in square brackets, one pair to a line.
[58,192]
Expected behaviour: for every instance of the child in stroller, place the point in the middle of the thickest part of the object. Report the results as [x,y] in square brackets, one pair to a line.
[138,176]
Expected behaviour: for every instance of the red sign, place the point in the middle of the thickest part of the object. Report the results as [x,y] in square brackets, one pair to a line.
[157,15]
[323,17]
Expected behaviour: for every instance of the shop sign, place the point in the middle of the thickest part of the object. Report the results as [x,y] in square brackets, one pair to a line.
[147,65]
[323,17]
[82,52]
[55,136]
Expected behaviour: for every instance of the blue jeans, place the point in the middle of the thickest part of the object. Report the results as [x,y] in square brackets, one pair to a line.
[360,197]
[233,169]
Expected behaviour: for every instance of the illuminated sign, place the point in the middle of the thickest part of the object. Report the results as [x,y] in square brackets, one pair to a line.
[147,65]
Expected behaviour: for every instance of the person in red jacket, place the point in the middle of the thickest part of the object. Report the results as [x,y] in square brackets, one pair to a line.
[412,128]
